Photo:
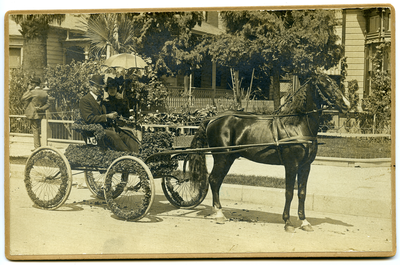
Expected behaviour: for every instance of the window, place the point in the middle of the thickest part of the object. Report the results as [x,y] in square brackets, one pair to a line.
[15,57]
[374,24]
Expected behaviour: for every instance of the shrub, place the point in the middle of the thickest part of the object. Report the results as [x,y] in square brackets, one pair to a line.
[184,118]
[19,81]
[69,83]
[379,102]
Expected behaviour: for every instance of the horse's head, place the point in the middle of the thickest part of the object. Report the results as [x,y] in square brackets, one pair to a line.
[330,94]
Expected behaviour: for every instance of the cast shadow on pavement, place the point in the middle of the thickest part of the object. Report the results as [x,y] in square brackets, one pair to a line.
[161,208]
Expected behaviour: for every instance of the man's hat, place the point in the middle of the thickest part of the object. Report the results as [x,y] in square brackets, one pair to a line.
[97,80]
[35,80]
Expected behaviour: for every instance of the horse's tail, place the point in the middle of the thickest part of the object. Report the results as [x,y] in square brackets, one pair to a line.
[197,161]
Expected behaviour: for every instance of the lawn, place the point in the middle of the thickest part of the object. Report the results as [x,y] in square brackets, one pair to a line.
[343,147]
[354,147]
[257,181]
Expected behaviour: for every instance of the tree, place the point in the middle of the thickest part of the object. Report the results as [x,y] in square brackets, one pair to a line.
[113,31]
[278,42]
[34,30]
[167,38]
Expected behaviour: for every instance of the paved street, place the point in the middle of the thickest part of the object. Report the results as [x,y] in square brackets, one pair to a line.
[84,225]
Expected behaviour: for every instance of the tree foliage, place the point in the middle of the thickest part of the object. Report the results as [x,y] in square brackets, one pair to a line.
[19,83]
[168,39]
[36,25]
[277,42]
[114,29]
[34,30]
[165,37]
[69,83]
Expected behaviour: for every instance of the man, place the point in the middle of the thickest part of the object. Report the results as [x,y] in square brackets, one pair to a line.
[93,111]
[36,102]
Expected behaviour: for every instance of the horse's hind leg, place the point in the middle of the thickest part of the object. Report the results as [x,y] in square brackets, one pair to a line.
[303,173]
[222,164]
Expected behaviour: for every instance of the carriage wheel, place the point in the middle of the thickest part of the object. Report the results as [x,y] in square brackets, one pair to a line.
[95,182]
[130,177]
[182,192]
[48,178]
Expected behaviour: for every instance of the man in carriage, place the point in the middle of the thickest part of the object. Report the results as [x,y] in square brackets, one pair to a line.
[94,111]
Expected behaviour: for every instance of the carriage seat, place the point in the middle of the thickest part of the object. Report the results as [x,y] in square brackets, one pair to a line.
[93,134]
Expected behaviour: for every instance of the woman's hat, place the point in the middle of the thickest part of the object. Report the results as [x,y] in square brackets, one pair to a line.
[97,80]
[35,80]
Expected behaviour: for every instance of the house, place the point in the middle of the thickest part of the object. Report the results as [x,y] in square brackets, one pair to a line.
[361,30]
[64,43]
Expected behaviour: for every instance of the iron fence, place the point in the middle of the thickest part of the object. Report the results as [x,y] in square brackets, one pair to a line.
[337,141]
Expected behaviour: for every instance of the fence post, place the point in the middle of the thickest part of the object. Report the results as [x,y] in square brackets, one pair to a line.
[374,124]
[44,130]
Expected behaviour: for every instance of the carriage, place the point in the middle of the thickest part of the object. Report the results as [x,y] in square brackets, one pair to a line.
[288,138]
[124,180]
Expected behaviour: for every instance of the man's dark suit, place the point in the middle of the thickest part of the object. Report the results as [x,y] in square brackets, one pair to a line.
[36,102]
[92,112]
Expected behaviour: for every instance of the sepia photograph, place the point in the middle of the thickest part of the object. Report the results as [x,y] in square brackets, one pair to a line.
[200,133]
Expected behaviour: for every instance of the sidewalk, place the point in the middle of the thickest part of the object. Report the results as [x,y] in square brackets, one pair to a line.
[365,191]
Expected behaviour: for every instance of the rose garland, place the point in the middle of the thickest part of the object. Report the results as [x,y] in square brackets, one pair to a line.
[50,159]
[101,157]
[97,130]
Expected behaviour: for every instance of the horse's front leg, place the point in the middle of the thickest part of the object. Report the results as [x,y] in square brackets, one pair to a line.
[221,167]
[303,173]
[290,178]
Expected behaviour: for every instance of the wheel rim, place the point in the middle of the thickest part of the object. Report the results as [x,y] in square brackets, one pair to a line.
[95,182]
[132,179]
[181,191]
[48,178]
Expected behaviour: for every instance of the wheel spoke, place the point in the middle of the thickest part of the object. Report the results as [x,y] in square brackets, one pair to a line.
[48,178]
[182,192]
[132,180]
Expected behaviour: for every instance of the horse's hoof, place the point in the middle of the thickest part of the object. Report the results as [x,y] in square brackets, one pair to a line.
[289,228]
[307,228]
[220,220]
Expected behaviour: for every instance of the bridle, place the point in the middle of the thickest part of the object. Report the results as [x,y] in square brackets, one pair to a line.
[324,98]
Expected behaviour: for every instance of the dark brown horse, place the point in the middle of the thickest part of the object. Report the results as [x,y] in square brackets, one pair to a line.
[291,131]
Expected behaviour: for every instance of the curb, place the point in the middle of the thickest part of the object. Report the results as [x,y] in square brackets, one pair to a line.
[274,197]
[319,160]
[314,202]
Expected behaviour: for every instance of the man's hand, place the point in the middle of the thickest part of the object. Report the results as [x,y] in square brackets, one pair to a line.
[112,115]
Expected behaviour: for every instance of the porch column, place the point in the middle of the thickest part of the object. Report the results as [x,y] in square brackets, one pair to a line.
[44,132]
[214,82]
[86,51]
[64,55]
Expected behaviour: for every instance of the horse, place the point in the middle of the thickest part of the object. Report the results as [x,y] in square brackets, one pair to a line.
[288,137]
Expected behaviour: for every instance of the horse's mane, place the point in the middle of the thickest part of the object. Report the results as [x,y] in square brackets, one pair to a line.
[295,102]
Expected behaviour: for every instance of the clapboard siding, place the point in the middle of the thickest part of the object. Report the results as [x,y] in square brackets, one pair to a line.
[355,42]
[354,46]
[54,49]
[358,51]
[357,60]
[354,30]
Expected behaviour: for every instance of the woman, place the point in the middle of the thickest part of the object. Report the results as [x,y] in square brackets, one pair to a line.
[115,103]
